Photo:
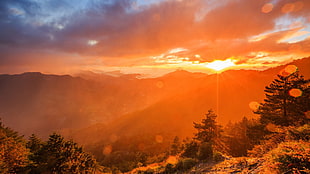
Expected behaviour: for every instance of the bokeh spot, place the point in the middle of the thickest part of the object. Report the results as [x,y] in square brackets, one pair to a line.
[107,150]
[295,92]
[160,84]
[254,105]
[289,69]
[267,8]
[159,138]
[288,7]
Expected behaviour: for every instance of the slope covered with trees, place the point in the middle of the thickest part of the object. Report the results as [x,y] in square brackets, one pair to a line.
[56,155]
[277,142]
[156,143]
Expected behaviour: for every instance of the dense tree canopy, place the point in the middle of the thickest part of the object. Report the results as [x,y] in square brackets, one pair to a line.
[60,156]
[236,138]
[13,153]
[287,101]
[56,155]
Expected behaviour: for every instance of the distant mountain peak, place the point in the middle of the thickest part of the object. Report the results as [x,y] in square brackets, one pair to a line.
[32,73]
[180,73]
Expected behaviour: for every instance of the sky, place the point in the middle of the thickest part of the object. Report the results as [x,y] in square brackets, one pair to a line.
[151,37]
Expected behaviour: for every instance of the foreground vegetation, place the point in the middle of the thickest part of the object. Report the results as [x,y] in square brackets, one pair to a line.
[276,142]
[36,156]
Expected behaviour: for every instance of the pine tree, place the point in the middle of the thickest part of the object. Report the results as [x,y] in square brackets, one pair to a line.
[175,146]
[37,155]
[287,100]
[206,138]
[208,130]
[236,137]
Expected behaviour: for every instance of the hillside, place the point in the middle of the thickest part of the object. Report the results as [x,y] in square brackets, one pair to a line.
[39,103]
[191,97]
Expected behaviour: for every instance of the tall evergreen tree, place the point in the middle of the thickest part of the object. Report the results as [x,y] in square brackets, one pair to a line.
[236,139]
[287,100]
[206,138]
[208,130]
[175,146]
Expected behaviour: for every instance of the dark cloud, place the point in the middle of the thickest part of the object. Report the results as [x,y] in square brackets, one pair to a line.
[167,25]
[124,30]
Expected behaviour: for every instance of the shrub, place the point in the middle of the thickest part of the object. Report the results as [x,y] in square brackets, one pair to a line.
[205,151]
[169,168]
[300,133]
[290,157]
[191,149]
[266,145]
[186,164]
[217,156]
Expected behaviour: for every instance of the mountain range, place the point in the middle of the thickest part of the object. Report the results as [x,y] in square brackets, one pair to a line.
[89,105]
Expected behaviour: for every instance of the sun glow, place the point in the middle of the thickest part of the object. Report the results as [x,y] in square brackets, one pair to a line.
[219,65]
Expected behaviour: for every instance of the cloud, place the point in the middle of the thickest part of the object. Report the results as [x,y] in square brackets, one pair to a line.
[124,33]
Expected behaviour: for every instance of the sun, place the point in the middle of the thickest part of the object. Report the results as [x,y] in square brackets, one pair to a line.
[219,65]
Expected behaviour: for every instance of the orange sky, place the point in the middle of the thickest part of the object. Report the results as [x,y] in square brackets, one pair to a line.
[151,37]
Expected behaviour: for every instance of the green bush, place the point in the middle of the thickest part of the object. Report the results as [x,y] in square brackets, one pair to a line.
[169,168]
[205,151]
[290,157]
[300,133]
[267,145]
[186,164]
[191,149]
[217,157]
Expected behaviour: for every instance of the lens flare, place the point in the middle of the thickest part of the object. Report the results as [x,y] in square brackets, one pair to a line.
[295,92]
[287,8]
[267,8]
[289,69]
[254,105]
[159,138]
[160,84]
[292,7]
[107,150]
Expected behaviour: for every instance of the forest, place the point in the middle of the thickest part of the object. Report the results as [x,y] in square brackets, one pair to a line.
[277,141]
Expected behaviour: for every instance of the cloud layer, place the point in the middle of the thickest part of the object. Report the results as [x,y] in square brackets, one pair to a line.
[130,33]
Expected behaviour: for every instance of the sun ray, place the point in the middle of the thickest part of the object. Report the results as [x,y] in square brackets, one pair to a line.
[220,65]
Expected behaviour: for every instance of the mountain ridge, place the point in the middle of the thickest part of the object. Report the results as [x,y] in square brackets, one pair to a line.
[31,102]
[177,112]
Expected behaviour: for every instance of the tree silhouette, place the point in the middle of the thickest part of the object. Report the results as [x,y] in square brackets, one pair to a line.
[236,138]
[287,100]
[208,130]
[175,146]
[60,156]
[191,149]
[13,153]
